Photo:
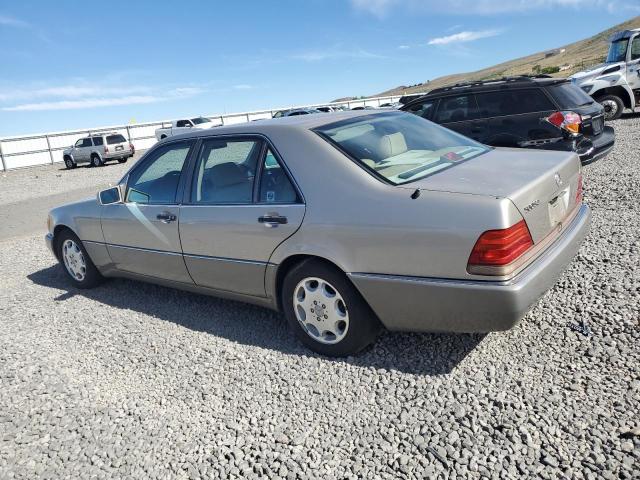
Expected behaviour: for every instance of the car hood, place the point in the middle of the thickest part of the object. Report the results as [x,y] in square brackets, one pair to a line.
[585,75]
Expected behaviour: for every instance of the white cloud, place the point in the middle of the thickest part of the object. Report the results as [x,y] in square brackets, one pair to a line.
[382,8]
[83,104]
[7,21]
[85,96]
[463,37]
[242,86]
[333,54]
[404,47]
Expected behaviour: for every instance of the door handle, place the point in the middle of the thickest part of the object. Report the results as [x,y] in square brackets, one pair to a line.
[272,221]
[166,217]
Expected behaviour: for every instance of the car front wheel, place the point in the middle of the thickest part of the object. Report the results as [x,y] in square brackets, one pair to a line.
[326,311]
[613,106]
[69,163]
[76,262]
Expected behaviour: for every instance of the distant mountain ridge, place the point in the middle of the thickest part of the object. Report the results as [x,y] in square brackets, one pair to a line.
[568,59]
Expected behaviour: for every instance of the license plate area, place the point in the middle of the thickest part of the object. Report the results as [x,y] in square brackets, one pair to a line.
[597,124]
[558,207]
[119,147]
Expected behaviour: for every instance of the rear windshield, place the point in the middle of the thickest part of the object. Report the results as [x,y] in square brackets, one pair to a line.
[400,147]
[569,96]
[199,120]
[111,139]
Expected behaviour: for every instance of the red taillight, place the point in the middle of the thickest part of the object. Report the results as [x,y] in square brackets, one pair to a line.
[131,147]
[106,149]
[579,189]
[569,121]
[497,248]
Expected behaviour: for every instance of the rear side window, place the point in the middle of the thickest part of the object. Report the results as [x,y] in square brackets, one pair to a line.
[275,186]
[183,123]
[113,139]
[457,109]
[97,141]
[513,102]
[569,96]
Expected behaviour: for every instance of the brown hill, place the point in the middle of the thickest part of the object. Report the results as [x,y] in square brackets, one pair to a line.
[570,58]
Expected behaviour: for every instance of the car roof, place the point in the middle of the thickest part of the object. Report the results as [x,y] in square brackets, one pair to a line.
[505,83]
[299,122]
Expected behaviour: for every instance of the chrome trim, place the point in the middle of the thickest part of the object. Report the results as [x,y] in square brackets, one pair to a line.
[521,262]
[141,249]
[226,259]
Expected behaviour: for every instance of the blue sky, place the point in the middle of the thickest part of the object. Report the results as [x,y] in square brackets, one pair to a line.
[72,65]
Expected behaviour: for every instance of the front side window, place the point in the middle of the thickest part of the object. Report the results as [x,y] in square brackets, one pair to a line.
[635,48]
[113,139]
[200,120]
[97,141]
[156,182]
[424,109]
[513,102]
[275,186]
[83,142]
[618,51]
[183,123]
[225,171]
[457,109]
[400,147]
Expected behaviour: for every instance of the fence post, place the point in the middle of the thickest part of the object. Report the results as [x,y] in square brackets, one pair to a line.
[49,148]
[4,167]
[248,120]
[128,134]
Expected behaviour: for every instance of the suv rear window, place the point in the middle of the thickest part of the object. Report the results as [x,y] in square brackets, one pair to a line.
[111,139]
[400,147]
[569,96]
[513,102]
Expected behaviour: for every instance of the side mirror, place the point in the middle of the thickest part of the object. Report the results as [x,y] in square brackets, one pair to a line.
[111,195]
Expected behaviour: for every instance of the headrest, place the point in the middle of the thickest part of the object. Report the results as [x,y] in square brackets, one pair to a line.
[223,175]
[393,144]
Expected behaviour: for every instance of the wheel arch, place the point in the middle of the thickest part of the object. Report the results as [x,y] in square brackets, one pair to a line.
[58,229]
[618,91]
[280,271]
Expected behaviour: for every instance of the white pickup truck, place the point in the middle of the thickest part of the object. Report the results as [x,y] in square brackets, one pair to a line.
[182,126]
[616,83]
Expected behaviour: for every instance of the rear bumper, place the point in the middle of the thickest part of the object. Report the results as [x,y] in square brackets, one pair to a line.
[588,148]
[444,305]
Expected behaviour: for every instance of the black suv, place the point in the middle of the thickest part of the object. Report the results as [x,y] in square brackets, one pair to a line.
[528,112]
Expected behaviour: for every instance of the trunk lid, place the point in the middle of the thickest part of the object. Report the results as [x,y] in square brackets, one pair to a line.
[541,184]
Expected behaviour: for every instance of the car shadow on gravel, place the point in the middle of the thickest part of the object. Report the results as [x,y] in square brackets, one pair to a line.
[420,354]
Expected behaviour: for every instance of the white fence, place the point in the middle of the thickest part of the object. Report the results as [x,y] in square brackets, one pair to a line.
[29,150]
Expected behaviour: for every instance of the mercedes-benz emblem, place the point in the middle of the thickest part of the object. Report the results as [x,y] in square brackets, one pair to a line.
[558,179]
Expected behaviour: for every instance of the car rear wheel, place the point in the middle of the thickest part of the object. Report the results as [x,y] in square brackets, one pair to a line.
[76,262]
[69,163]
[613,106]
[123,160]
[96,161]
[326,311]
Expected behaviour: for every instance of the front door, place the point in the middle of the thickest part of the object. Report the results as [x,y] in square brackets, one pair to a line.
[82,150]
[241,205]
[142,233]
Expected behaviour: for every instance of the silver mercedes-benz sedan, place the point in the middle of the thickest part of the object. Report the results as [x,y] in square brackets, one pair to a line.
[347,222]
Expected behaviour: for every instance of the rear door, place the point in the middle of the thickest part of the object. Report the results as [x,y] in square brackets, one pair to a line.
[142,233]
[240,204]
[517,117]
[460,113]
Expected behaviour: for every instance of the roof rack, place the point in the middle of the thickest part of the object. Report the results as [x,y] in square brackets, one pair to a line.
[515,79]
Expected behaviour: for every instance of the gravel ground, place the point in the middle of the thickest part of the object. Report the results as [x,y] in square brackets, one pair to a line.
[36,182]
[136,381]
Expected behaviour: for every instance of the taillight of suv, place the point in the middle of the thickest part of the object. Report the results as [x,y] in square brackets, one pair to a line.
[132,148]
[569,121]
[106,149]
[496,249]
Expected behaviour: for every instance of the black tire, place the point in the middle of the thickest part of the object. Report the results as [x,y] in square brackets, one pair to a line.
[611,111]
[162,137]
[123,160]
[96,161]
[363,326]
[92,277]
[69,163]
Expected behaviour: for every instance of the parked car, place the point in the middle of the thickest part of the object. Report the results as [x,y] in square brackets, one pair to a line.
[326,108]
[96,150]
[184,125]
[364,107]
[616,83]
[295,112]
[346,222]
[529,112]
[393,105]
